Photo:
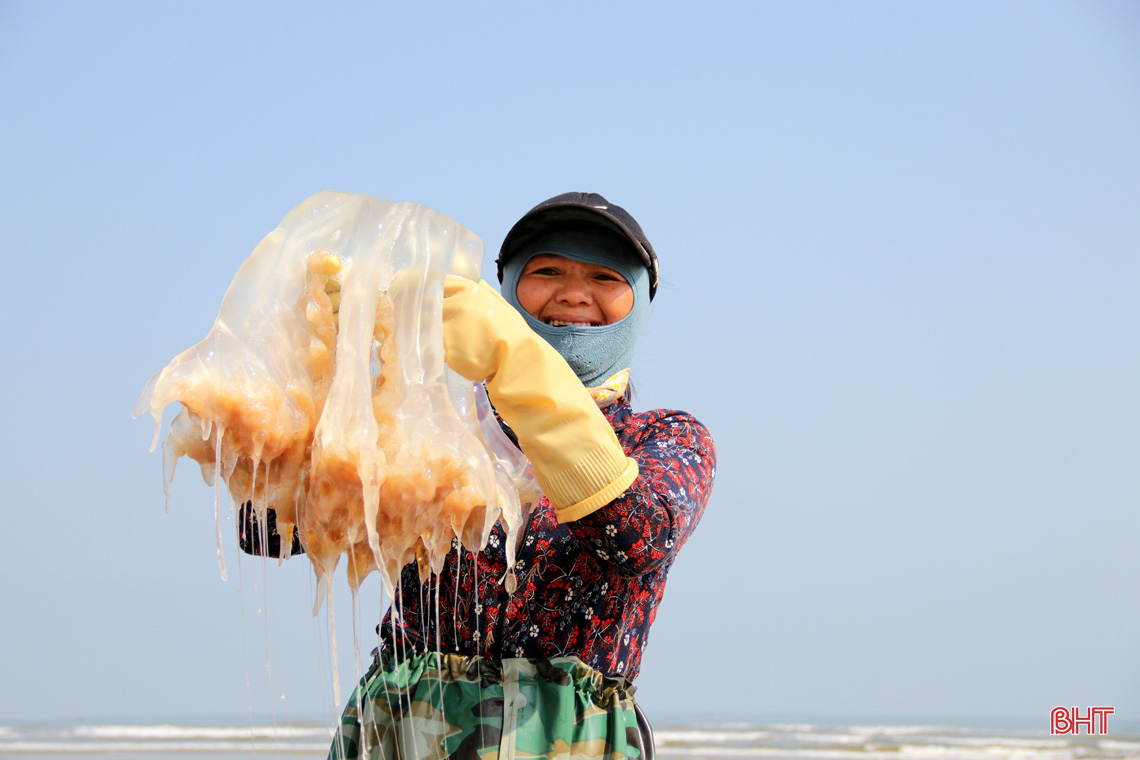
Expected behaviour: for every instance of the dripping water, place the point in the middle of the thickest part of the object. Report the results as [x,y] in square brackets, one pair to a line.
[398,657]
[245,651]
[220,429]
[439,655]
[332,643]
[478,632]
[262,510]
[356,663]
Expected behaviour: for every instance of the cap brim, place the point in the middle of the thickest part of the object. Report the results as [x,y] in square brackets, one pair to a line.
[535,222]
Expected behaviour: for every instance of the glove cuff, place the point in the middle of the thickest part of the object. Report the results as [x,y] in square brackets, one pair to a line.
[590,485]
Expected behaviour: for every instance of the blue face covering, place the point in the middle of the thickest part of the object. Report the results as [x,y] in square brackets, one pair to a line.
[594,353]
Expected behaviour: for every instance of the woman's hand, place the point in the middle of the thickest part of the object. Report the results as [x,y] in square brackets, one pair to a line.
[576,457]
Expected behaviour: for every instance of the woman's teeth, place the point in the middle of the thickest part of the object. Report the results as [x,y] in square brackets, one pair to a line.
[560,323]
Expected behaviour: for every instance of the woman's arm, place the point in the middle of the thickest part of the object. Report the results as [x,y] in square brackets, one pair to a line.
[576,457]
[647,525]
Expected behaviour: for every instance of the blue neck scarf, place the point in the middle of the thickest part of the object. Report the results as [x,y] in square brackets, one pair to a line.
[594,353]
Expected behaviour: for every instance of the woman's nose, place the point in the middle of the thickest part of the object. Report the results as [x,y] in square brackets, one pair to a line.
[574,291]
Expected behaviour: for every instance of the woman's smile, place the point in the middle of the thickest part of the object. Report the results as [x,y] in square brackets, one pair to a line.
[563,292]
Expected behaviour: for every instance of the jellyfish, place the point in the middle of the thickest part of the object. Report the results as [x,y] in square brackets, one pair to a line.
[321,393]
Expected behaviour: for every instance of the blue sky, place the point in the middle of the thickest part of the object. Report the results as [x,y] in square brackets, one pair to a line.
[899,283]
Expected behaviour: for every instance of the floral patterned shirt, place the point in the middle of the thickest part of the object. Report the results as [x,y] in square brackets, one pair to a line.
[588,588]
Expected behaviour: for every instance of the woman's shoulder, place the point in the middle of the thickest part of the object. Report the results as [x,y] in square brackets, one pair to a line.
[675,455]
[670,417]
[665,426]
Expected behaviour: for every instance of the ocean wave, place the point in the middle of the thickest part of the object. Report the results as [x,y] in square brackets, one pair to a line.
[988,752]
[72,747]
[832,738]
[1006,741]
[904,752]
[897,730]
[816,753]
[688,736]
[173,732]
[1115,744]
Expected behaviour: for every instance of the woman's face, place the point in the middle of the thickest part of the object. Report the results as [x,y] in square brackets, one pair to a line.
[561,291]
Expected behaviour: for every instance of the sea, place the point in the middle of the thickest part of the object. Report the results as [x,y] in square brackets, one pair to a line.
[688,741]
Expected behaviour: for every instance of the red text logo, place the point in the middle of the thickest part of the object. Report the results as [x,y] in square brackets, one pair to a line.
[1068,720]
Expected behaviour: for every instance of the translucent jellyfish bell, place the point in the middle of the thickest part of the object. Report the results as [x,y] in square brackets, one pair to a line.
[321,392]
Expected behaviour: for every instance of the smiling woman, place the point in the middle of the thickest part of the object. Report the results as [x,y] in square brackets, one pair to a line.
[563,292]
[527,639]
[471,666]
[582,273]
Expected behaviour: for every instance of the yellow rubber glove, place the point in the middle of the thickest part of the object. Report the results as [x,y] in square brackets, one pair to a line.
[576,457]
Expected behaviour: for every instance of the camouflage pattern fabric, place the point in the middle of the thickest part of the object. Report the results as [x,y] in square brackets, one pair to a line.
[430,706]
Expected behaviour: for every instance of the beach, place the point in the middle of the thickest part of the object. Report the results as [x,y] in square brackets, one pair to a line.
[691,741]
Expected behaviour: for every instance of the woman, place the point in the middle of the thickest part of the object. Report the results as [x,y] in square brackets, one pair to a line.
[467,669]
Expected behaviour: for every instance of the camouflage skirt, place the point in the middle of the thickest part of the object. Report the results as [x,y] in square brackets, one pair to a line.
[429,706]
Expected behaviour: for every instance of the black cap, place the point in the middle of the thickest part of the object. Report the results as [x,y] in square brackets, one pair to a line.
[579,207]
